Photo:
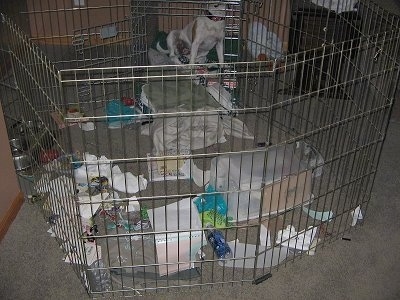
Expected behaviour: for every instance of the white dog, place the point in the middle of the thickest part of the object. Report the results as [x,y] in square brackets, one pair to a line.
[197,38]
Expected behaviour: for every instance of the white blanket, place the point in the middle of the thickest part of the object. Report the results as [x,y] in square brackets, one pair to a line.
[179,134]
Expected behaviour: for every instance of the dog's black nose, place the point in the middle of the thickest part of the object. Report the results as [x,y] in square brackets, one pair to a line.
[216,5]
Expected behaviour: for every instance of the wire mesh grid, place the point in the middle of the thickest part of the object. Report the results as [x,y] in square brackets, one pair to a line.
[156,175]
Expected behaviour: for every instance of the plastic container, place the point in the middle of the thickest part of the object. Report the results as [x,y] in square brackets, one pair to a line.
[17,145]
[22,161]
[241,176]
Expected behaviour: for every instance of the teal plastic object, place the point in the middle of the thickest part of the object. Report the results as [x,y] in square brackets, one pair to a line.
[211,200]
[117,112]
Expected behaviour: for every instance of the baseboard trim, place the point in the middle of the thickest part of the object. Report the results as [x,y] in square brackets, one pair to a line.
[10,215]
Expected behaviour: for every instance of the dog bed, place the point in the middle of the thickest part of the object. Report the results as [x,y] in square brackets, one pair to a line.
[195,131]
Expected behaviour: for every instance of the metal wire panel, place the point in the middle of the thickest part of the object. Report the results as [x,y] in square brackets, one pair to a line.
[140,168]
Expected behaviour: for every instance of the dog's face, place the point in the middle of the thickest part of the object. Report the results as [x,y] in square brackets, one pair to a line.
[217,8]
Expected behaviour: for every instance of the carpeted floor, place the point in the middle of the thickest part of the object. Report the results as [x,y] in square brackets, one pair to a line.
[367,267]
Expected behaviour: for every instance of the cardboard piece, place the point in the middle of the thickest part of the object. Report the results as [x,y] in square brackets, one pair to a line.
[169,166]
[287,193]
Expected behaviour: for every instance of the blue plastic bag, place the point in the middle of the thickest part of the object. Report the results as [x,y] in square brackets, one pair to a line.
[117,112]
[211,200]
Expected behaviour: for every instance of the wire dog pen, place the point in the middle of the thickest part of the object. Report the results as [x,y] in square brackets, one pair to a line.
[156,175]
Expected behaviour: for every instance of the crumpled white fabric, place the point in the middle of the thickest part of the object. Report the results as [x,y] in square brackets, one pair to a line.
[186,132]
[235,127]
[194,132]
[95,167]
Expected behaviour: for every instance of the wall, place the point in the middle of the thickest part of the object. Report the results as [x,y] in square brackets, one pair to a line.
[275,15]
[11,199]
[54,22]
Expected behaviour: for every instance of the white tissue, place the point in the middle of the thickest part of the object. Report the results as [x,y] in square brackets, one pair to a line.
[357,215]
[96,167]
[93,253]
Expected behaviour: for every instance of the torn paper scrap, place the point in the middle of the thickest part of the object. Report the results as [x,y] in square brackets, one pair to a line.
[244,255]
[357,215]
[313,247]
[301,240]
[322,216]
[199,176]
[52,234]
[87,126]
[265,237]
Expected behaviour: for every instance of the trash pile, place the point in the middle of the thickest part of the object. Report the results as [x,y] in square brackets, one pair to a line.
[119,235]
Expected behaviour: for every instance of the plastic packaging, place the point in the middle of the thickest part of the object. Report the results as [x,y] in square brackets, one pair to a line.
[211,200]
[118,114]
[263,41]
[99,277]
[214,219]
[242,175]
[220,246]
